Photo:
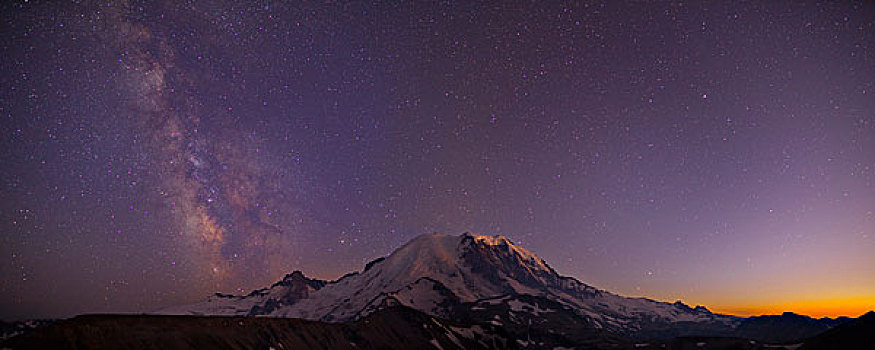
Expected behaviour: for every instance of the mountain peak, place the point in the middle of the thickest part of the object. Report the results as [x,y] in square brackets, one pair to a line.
[490,240]
[510,250]
[685,307]
[298,277]
[436,250]
[297,274]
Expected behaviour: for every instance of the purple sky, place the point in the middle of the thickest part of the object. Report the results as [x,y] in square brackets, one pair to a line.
[155,153]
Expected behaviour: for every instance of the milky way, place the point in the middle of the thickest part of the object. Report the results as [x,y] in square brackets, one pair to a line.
[154,153]
[222,198]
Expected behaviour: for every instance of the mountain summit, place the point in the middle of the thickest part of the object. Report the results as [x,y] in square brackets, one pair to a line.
[457,277]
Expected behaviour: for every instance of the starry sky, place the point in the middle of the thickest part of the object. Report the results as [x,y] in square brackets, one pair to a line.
[718,152]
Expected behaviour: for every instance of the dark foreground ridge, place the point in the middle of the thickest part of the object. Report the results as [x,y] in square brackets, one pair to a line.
[394,327]
[854,334]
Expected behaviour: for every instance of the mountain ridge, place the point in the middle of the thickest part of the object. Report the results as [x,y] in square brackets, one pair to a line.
[457,269]
[470,277]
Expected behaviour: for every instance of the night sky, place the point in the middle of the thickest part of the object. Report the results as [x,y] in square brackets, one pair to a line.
[715,152]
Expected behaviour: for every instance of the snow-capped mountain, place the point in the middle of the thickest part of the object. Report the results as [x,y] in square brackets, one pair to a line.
[486,279]
[442,292]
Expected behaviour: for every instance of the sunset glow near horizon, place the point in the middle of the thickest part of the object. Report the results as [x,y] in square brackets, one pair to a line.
[710,152]
[850,307]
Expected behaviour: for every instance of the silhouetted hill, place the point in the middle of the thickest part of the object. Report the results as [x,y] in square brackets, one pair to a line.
[855,334]
[787,327]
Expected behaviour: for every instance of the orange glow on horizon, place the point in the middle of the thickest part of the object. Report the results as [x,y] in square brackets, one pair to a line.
[851,307]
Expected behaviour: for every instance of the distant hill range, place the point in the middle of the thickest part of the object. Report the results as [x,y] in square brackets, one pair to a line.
[442,292]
